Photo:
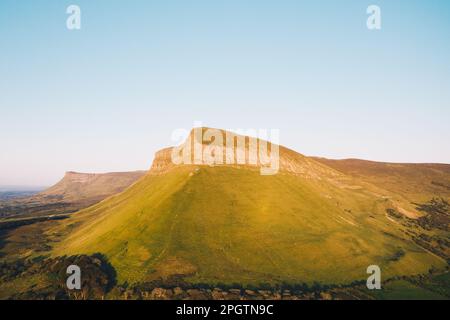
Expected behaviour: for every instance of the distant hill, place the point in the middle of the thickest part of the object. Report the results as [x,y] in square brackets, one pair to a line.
[73,192]
[8,195]
[415,181]
[77,186]
[228,223]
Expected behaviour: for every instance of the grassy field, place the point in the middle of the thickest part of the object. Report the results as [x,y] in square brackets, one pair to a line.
[415,182]
[433,288]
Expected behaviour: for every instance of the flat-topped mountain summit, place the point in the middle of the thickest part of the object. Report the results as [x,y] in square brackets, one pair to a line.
[91,186]
[218,147]
[73,192]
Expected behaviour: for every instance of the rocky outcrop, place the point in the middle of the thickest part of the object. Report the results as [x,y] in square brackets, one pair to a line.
[198,143]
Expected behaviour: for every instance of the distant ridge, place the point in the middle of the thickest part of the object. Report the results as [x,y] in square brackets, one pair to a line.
[75,186]
[414,181]
[73,192]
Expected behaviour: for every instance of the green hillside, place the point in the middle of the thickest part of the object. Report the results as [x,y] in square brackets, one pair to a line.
[229,224]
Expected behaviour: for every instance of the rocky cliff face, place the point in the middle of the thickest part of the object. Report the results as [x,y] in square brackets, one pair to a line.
[75,185]
[162,161]
[197,144]
[78,177]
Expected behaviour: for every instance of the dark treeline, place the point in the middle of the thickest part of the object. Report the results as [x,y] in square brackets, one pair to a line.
[98,277]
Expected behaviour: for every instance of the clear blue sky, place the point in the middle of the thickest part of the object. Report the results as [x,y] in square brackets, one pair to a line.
[106,97]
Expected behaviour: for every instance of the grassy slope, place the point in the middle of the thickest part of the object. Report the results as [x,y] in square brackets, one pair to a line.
[415,182]
[434,288]
[403,290]
[225,224]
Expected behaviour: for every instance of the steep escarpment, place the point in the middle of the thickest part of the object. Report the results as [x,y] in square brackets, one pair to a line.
[90,186]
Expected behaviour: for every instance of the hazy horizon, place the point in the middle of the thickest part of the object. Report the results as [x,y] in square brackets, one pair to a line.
[105,98]
[21,187]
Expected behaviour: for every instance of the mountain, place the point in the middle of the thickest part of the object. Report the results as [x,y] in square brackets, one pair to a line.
[229,223]
[73,192]
[90,187]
